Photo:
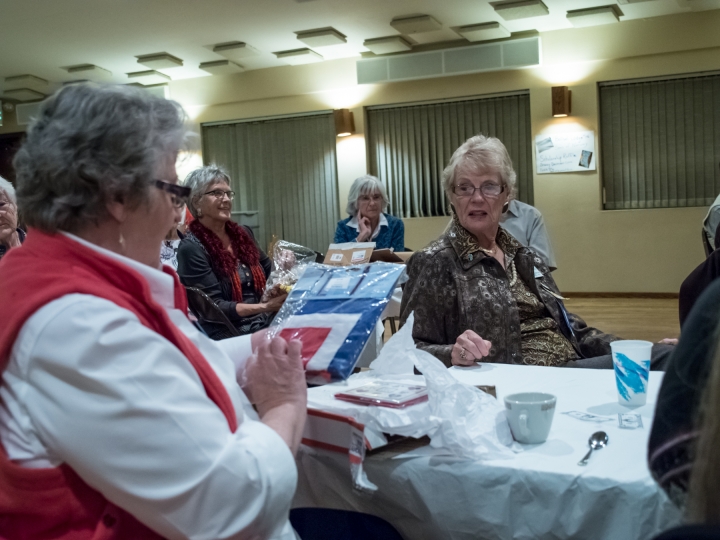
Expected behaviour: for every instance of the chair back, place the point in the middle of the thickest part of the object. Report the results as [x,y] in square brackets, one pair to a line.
[209,315]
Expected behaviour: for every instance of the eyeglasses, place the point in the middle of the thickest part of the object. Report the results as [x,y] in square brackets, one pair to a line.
[488,190]
[219,194]
[178,194]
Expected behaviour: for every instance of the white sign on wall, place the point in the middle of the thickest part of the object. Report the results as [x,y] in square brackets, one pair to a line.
[565,152]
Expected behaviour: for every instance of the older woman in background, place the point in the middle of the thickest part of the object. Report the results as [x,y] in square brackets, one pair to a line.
[221,258]
[118,417]
[477,293]
[10,235]
[366,205]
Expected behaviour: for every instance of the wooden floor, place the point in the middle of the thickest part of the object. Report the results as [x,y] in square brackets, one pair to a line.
[651,319]
[630,318]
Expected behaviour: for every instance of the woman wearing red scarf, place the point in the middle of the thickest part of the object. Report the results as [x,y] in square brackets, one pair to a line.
[113,423]
[221,258]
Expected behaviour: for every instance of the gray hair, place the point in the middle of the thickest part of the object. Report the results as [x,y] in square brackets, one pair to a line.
[482,155]
[365,185]
[9,190]
[89,145]
[200,179]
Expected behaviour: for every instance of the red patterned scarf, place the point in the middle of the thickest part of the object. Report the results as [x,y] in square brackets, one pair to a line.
[224,263]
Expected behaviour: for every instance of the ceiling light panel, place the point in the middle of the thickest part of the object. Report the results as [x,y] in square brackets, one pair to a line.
[633,1]
[298,57]
[594,16]
[237,51]
[387,45]
[159,61]
[322,37]
[511,10]
[416,25]
[29,82]
[23,94]
[484,31]
[89,72]
[221,67]
[148,77]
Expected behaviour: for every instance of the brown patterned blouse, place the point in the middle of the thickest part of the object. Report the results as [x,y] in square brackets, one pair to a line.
[454,285]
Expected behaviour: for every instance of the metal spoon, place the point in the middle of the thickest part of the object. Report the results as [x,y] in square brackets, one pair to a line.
[597,440]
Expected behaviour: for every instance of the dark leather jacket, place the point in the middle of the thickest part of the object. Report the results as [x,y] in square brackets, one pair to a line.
[450,295]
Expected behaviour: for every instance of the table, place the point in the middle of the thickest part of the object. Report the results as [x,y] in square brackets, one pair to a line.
[541,493]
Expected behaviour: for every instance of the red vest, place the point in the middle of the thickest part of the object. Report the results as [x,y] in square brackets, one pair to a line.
[55,503]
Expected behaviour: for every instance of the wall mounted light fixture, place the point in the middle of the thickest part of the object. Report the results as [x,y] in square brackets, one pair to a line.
[561,101]
[344,122]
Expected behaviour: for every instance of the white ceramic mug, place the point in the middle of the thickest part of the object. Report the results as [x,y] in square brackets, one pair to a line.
[530,415]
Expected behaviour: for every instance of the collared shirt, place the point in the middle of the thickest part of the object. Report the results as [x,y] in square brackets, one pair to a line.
[712,221]
[355,225]
[88,385]
[526,224]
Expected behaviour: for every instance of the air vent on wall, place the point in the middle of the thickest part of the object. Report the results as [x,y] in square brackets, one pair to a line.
[511,54]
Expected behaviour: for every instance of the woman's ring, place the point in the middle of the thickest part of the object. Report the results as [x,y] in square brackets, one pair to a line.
[462,353]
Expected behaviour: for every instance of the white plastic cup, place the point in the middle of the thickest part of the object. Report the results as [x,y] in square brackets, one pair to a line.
[631,360]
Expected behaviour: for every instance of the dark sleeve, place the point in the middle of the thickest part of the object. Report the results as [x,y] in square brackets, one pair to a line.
[265,261]
[430,294]
[343,233]
[670,448]
[195,271]
[398,235]
[694,285]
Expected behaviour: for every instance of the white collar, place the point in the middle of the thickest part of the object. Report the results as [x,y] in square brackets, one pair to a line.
[162,285]
[383,221]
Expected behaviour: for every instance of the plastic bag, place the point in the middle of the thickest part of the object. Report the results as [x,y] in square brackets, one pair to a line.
[289,262]
[333,311]
[462,419]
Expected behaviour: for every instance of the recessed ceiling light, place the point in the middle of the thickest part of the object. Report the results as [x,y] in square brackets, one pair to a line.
[511,10]
[594,16]
[23,94]
[484,31]
[297,57]
[236,51]
[148,77]
[89,72]
[30,82]
[221,67]
[159,61]
[416,25]
[387,45]
[321,37]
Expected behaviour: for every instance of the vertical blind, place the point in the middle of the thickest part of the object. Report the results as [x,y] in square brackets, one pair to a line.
[284,168]
[410,145]
[660,142]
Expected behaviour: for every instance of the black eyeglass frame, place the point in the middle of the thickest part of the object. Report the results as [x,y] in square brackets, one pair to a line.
[230,194]
[180,194]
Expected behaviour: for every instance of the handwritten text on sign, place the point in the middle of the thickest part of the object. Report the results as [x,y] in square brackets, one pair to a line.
[565,152]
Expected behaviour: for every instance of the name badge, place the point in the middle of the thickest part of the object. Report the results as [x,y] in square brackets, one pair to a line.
[538,273]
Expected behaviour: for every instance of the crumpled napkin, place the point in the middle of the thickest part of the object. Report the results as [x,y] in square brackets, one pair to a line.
[462,419]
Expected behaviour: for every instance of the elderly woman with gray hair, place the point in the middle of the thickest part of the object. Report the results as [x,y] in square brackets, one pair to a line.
[367,202]
[222,259]
[118,417]
[478,294]
[10,235]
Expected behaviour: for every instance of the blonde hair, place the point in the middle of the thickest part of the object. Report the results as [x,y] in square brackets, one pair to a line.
[703,503]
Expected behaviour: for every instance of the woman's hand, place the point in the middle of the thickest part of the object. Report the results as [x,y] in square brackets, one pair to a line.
[274,304]
[276,386]
[364,231]
[468,348]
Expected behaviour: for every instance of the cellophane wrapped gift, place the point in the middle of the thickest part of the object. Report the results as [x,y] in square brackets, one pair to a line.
[288,263]
[333,311]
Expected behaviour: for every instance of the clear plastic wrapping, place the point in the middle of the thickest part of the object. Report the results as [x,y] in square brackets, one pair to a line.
[333,311]
[288,263]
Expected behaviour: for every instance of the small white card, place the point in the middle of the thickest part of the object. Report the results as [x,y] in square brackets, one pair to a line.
[587,417]
[629,421]
[336,257]
[358,256]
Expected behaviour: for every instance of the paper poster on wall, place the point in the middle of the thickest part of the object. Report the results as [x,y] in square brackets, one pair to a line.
[565,152]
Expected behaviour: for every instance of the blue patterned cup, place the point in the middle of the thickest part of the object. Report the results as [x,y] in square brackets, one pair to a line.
[631,360]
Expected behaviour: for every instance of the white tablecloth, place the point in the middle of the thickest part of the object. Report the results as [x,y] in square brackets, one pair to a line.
[540,493]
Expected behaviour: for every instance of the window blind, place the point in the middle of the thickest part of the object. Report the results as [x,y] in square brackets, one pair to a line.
[410,145]
[660,142]
[284,168]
